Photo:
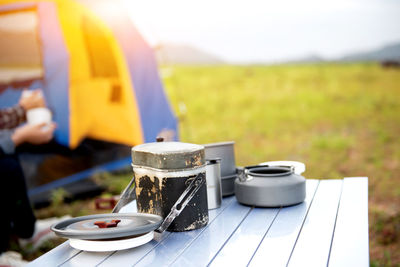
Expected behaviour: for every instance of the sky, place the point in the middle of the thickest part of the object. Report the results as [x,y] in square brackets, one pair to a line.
[257,31]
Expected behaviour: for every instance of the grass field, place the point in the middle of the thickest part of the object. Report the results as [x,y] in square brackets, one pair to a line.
[340,119]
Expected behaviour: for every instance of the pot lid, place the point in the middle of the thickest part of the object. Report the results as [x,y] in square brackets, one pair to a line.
[107,226]
[168,155]
[226,143]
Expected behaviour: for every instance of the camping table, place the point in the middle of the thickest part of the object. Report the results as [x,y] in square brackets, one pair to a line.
[330,228]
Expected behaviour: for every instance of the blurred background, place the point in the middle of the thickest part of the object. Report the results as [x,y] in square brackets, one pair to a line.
[312,81]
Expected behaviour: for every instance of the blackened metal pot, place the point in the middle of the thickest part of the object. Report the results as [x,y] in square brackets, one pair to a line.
[163,170]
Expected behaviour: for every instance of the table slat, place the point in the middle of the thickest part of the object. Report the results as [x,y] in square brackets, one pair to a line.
[125,257]
[55,256]
[246,238]
[86,258]
[278,243]
[350,241]
[206,246]
[175,243]
[313,244]
[330,227]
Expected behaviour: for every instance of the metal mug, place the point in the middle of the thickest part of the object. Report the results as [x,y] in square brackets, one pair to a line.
[213,178]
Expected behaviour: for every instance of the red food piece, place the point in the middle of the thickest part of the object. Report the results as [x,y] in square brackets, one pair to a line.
[103,224]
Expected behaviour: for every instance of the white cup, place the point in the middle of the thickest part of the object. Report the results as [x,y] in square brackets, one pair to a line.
[28,93]
[38,116]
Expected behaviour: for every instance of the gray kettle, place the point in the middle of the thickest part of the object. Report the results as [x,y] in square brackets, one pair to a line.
[269,186]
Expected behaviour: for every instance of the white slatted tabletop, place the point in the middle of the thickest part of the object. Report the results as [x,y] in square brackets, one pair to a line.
[330,228]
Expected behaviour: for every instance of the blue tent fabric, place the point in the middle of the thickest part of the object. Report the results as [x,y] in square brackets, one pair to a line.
[144,75]
[56,68]
[55,63]
[143,67]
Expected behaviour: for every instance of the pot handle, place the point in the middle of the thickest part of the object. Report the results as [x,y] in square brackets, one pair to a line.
[182,201]
[127,196]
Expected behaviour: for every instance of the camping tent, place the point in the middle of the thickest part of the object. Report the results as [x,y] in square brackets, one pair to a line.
[99,78]
[98,75]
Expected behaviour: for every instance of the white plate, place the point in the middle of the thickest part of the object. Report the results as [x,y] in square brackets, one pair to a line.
[111,245]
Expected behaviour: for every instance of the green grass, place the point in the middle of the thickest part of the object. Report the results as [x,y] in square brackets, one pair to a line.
[340,119]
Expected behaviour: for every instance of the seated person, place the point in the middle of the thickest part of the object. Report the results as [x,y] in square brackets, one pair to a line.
[14,116]
[18,218]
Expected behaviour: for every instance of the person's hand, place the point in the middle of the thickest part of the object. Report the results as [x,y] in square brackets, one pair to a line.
[35,134]
[33,99]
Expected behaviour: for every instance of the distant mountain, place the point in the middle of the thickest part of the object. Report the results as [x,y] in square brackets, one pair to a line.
[312,58]
[389,52]
[386,53]
[184,54]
